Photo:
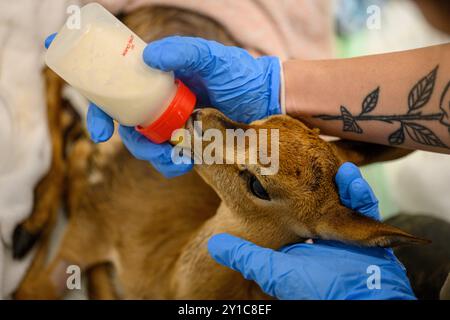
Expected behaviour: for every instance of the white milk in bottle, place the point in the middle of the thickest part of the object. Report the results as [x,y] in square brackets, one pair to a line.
[103,60]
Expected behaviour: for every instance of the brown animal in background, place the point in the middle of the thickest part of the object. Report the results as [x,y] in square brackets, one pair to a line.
[152,232]
[150,23]
[65,129]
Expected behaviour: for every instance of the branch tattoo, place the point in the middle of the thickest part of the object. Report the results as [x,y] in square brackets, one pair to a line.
[418,97]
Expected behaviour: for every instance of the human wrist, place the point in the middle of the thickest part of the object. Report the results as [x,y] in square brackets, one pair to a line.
[276,102]
[291,79]
[301,79]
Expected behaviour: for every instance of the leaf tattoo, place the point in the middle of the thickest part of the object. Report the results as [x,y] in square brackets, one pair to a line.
[349,122]
[418,97]
[398,137]
[444,105]
[423,135]
[421,93]
[370,102]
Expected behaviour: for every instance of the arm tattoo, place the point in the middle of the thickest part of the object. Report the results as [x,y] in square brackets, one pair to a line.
[418,97]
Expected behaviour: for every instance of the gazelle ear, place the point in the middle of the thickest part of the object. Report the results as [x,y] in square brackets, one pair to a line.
[349,226]
[362,153]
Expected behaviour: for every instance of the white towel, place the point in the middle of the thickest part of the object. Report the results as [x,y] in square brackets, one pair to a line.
[24,139]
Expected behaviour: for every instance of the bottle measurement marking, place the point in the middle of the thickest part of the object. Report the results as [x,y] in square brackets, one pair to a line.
[129,46]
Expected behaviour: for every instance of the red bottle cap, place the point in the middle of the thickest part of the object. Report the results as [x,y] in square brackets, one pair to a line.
[173,118]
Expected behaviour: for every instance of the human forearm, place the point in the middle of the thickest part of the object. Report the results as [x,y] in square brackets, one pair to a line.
[404,109]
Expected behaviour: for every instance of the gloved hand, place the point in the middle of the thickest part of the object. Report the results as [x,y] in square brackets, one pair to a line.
[324,269]
[101,128]
[229,78]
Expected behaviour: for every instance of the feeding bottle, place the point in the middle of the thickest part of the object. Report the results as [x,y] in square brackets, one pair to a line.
[102,59]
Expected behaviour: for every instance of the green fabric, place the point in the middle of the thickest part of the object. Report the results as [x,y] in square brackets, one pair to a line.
[351,46]
[375,175]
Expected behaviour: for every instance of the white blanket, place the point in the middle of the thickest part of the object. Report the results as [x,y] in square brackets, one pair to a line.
[24,139]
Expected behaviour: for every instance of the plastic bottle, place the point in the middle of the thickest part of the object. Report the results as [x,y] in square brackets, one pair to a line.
[102,58]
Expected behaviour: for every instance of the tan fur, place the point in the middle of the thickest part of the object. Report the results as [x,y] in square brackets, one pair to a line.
[153,231]
[100,286]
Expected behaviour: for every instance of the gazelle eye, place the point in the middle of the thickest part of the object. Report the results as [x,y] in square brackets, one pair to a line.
[257,189]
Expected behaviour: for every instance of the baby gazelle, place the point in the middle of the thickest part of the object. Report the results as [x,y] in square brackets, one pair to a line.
[154,231]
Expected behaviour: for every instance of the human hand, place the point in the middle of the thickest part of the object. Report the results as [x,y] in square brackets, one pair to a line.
[227,78]
[324,269]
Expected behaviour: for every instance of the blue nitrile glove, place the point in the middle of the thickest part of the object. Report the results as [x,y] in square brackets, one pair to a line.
[324,269]
[228,78]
